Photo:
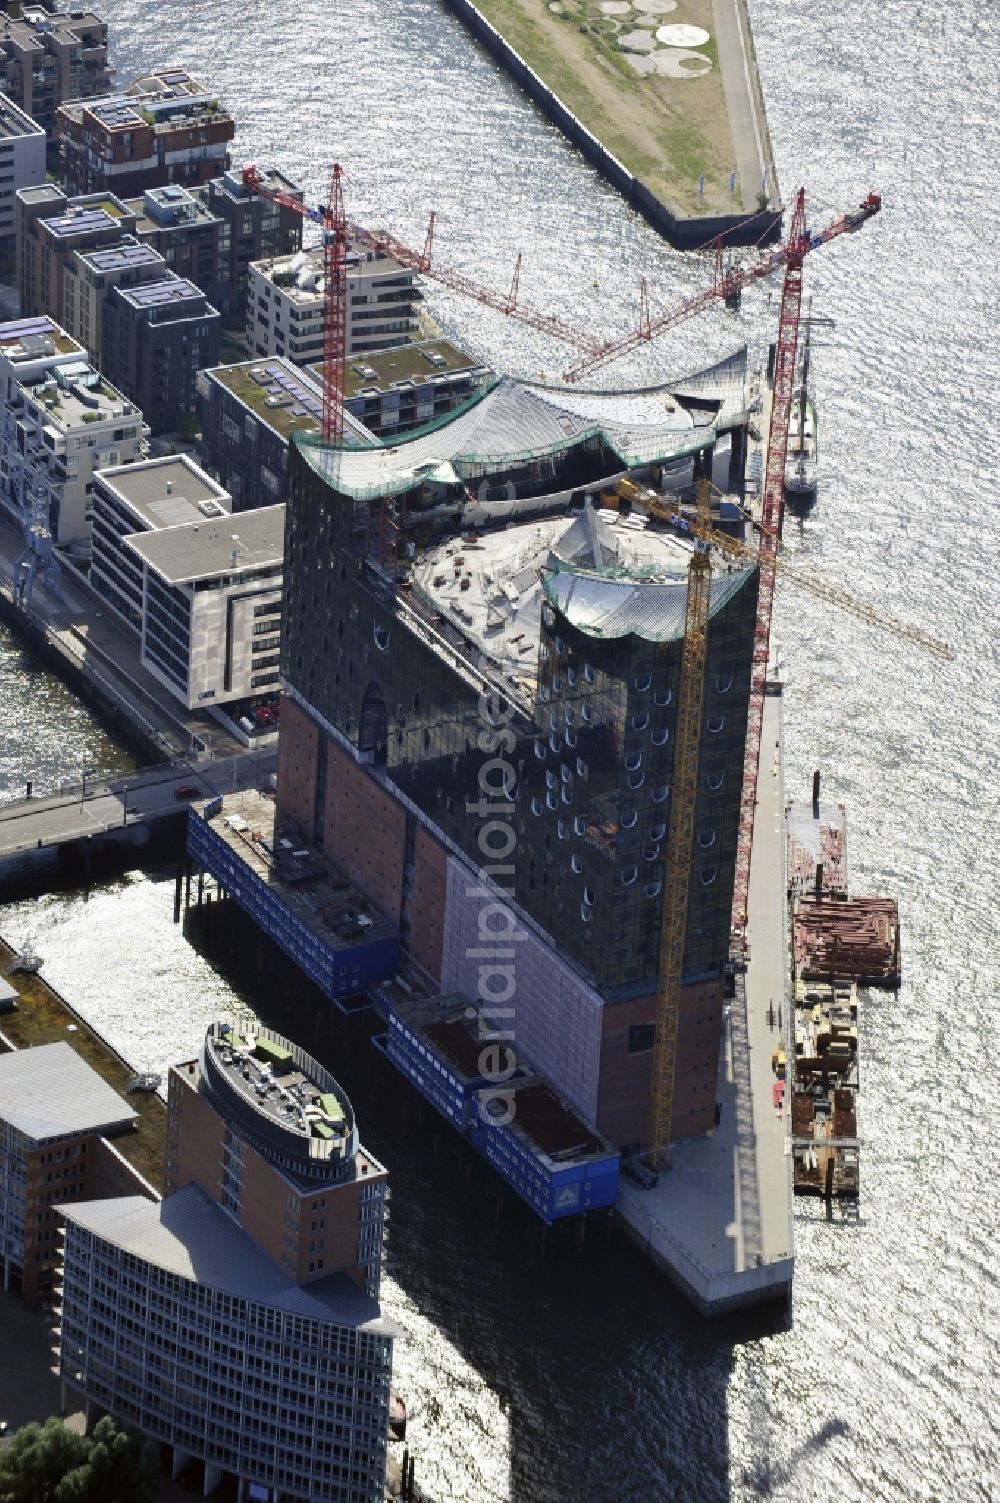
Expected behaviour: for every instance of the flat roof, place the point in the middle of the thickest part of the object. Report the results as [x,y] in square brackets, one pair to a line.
[308,884]
[285,396]
[49,1092]
[14,122]
[417,363]
[117,257]
[24,338]
[80,221]
[189,1235]
[172,289]
[165,492]
[204,548]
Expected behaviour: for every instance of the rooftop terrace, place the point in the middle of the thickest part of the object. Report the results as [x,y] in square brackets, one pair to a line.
[417,363]
[284,396]
[27,339]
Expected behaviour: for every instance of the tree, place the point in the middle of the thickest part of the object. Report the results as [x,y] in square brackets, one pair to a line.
[50,1464]
[37,1459]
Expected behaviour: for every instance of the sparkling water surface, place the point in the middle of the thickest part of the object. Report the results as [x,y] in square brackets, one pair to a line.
[588,1379]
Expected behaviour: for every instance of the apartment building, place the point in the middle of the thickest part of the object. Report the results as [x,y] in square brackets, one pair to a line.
[22,163]
[202,592]
[156,336]
[404,388]
[48,57]
[249,414]
[285,305]
[88,279]
[166,127]
[51,228]
[179,1317]
[210,234]
[59,422]
[56,1114]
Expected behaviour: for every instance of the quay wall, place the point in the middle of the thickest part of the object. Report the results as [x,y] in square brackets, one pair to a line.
[683,232]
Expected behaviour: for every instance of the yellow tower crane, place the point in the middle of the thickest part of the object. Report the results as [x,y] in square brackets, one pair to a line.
[687,747]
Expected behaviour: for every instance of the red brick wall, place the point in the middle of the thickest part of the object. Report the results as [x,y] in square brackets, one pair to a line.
[623,1093]
[195,1135]
[365,832]
[298,750]
[427,902]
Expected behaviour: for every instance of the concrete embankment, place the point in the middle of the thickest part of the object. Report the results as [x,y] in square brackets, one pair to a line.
[745,106]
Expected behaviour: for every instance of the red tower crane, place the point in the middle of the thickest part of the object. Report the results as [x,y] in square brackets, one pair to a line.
[726,284]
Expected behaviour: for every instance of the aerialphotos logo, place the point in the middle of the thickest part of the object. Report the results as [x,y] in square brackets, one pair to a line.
[497,931]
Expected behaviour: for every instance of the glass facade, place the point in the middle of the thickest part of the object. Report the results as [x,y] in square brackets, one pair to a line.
[589,764]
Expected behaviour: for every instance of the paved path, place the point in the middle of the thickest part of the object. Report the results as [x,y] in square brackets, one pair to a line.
[720,1217]
[744,101]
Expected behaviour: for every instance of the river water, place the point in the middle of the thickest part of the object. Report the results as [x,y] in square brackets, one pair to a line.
[589,1379]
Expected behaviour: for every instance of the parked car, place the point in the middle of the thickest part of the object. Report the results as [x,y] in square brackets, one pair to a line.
[187,790]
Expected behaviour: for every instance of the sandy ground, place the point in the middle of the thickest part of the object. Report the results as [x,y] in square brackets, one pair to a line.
[665,131]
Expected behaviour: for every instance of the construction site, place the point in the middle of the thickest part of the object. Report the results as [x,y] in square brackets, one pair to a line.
[532,716]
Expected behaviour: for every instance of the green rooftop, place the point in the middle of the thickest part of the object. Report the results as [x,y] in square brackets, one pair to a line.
[331,1107]
[238,380]
[276,1054]
[410,362]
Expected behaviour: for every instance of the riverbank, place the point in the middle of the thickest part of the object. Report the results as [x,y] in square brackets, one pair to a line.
[679,130]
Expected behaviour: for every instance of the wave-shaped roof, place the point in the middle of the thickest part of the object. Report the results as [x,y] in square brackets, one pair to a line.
[513,422]
[608,606]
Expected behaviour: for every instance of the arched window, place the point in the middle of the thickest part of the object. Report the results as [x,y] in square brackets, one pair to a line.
[660,737]
[706,839]
[709,876]
[652,889]
[587,712]
[629,819]
[579,828]
[571,676]
[715,724]
[660,793]
[636,779]
[657,832]
[633,761]
[575,865]
[536,806]
[629,875]
[723,684]
[640,722]
[663,697]
[550,778]
[715,780]
[589,672]
[561,829]
[642,682]
[539,749]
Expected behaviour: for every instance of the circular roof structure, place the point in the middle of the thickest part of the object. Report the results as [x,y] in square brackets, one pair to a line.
[682,36]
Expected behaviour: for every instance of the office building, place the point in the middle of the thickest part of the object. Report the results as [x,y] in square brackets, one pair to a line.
[166,127]
[47,57]
[59,423]
[156,337]
[22,163]
[56,1115]
[203,595]
[249,413]
[470,578]
[237,1321]
[285,305]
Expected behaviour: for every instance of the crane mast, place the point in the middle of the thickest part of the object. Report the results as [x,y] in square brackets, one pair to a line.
[680,839]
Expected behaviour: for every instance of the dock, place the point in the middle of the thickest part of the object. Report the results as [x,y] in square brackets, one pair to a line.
[839,944]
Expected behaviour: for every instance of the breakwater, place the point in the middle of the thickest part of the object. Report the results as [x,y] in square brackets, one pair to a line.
[684,232]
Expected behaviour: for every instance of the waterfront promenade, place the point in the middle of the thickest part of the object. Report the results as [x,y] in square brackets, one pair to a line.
[719,1222]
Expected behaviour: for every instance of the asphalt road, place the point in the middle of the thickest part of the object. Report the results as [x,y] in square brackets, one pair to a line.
[122,802]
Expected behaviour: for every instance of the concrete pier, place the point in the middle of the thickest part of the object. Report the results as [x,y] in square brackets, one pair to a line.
[719,1223]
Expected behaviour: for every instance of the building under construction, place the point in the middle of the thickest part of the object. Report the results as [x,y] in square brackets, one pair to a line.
[481,658]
